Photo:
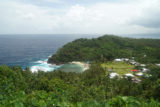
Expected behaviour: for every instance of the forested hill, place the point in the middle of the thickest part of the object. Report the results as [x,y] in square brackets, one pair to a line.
[107,48]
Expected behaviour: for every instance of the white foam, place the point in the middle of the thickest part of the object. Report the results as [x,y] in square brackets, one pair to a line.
[40,68]
[42,65]
[49,56]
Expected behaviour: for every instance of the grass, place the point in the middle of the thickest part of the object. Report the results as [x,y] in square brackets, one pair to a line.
[119,67]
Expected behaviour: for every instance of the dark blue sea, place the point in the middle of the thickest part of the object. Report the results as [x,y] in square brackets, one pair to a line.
[34,50]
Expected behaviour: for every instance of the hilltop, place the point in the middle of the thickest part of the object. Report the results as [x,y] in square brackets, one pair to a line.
[107,48]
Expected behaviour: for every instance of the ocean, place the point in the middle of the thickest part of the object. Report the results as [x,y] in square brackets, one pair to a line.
[33,50]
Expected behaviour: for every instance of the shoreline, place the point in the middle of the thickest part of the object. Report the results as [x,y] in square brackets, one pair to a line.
[43,65]
[83,64]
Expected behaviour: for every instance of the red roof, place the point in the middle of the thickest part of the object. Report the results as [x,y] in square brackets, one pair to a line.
[135,70]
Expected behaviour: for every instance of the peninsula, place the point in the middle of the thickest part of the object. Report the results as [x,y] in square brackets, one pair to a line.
[108,48]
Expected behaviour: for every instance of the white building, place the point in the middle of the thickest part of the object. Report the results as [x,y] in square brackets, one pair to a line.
[118,60]
[158,65]
[136,80]
[121,59]
[113,75]
[144,70]
[129,75]
[133,62]
[126,59]
[139,74]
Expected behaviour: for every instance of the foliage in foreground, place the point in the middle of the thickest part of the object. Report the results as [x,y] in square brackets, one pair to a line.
[43,99]
[92,88]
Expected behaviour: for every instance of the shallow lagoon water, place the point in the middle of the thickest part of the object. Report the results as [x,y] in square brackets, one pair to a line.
[71,68]
[42,65]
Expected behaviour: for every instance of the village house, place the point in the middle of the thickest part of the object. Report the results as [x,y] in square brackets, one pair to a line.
[144,70]
[136,80]
[139,74]
[133,62]
[129,75]
[158,65]
[135,70]
[113,75]
[118,60]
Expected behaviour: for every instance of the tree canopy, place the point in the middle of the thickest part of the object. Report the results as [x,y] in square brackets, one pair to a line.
[108,47]
[92,88]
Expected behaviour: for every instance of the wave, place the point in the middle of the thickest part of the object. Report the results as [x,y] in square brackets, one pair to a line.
[42,65]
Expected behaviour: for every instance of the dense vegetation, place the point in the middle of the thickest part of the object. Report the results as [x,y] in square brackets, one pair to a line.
[107,48]
[92,88]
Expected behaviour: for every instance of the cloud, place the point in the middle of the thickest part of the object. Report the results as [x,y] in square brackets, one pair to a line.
[149,16]
[48,1]
[100,17]
[105,18]
[25,18]
[54,1]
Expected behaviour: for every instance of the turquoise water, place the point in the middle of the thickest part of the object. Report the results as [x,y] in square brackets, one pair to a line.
[42,65]
[71,68]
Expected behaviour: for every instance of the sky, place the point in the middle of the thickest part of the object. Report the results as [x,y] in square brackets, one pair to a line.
[79,16]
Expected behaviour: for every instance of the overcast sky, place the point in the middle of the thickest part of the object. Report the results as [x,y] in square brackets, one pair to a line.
[79,16]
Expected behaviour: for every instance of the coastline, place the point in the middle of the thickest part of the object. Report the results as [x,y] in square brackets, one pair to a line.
[83,64]
[43,65]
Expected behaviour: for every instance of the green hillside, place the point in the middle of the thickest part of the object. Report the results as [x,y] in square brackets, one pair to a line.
[107,48]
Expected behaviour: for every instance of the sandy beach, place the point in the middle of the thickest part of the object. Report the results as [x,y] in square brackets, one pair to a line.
[83,64]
